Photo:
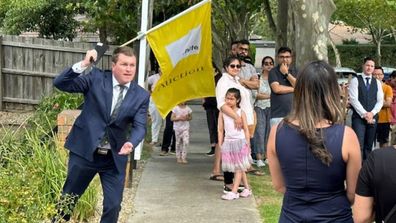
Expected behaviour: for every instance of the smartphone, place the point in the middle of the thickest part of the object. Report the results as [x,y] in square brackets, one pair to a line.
[101,49]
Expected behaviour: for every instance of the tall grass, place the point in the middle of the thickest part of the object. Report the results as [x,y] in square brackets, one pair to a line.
[33,167]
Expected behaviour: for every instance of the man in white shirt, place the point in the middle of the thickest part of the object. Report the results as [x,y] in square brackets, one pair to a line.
[366,98]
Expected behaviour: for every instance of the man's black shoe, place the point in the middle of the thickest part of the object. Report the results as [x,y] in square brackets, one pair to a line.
[211,152]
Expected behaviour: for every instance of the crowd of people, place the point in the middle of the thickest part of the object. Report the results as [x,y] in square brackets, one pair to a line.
[294,122]
[291,121]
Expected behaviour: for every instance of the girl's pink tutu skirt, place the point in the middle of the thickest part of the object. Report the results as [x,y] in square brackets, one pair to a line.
[235,155]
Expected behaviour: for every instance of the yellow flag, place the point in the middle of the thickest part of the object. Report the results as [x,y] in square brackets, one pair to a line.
[183,48]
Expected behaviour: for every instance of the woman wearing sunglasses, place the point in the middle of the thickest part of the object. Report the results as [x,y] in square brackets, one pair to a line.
[262,108]
[230,79]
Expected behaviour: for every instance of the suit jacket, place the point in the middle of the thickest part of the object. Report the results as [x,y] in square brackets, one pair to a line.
[89,128]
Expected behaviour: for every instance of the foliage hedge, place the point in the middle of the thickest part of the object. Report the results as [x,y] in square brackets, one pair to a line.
[352,55]
[33,168]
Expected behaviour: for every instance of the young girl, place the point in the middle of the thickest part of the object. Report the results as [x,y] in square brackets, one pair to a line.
[235,148]
[181,115]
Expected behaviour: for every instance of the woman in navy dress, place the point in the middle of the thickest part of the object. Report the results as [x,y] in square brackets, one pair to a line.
[313,158]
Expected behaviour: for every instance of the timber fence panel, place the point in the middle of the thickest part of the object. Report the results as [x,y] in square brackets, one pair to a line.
[29,65]
[1,74]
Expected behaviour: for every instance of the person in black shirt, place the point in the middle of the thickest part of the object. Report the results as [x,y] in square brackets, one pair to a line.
[282,80]
[375,190]
[212,115]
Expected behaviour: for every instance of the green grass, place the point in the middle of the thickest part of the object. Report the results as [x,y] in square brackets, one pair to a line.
[269,201]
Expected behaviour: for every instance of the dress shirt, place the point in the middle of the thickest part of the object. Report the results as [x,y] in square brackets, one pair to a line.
[116,92]
[354,96]
[78,68]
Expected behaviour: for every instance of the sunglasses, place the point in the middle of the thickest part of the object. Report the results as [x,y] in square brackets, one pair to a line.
[268,63]
[235,66]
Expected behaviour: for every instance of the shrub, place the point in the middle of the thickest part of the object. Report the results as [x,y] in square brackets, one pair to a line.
[352,55]
[351,41]
[33,169]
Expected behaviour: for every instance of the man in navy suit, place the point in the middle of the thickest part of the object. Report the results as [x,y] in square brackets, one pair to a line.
[112,122]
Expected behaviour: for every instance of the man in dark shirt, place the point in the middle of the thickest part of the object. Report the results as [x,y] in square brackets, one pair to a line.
[375,189]
[282,79]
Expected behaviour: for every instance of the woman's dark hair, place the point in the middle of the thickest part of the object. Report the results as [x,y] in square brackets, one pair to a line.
[237,95]
[267,57]
[229,60]
[316,98]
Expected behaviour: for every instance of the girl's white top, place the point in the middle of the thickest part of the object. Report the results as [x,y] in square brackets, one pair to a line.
[179,111]
[229,127]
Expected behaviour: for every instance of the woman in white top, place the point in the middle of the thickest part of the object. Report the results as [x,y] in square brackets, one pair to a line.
[230,79]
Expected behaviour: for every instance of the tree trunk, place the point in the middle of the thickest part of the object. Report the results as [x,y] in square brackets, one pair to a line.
[282,18]
[378,53]
[310,20]
[393,32]
[291,29]
[336,53]
[377,34]
[103,35]
[270,18]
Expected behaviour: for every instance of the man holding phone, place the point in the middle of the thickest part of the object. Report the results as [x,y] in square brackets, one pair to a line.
[282,80]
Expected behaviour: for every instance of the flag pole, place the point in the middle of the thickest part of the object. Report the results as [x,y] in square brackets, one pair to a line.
[178,15]
[142,33]
[142,61]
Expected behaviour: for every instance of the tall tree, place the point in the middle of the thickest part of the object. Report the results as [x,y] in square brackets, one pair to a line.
[230,22]
[50,18]
[377,16]
[115,20]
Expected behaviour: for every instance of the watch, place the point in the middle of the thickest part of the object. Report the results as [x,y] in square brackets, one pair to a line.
[285,75]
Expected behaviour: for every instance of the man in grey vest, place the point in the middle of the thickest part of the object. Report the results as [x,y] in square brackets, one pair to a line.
[366,98]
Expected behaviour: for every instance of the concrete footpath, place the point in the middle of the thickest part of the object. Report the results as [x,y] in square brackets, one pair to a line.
[172,192]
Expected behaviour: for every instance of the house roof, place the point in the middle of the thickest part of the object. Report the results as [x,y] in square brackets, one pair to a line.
[341,32]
